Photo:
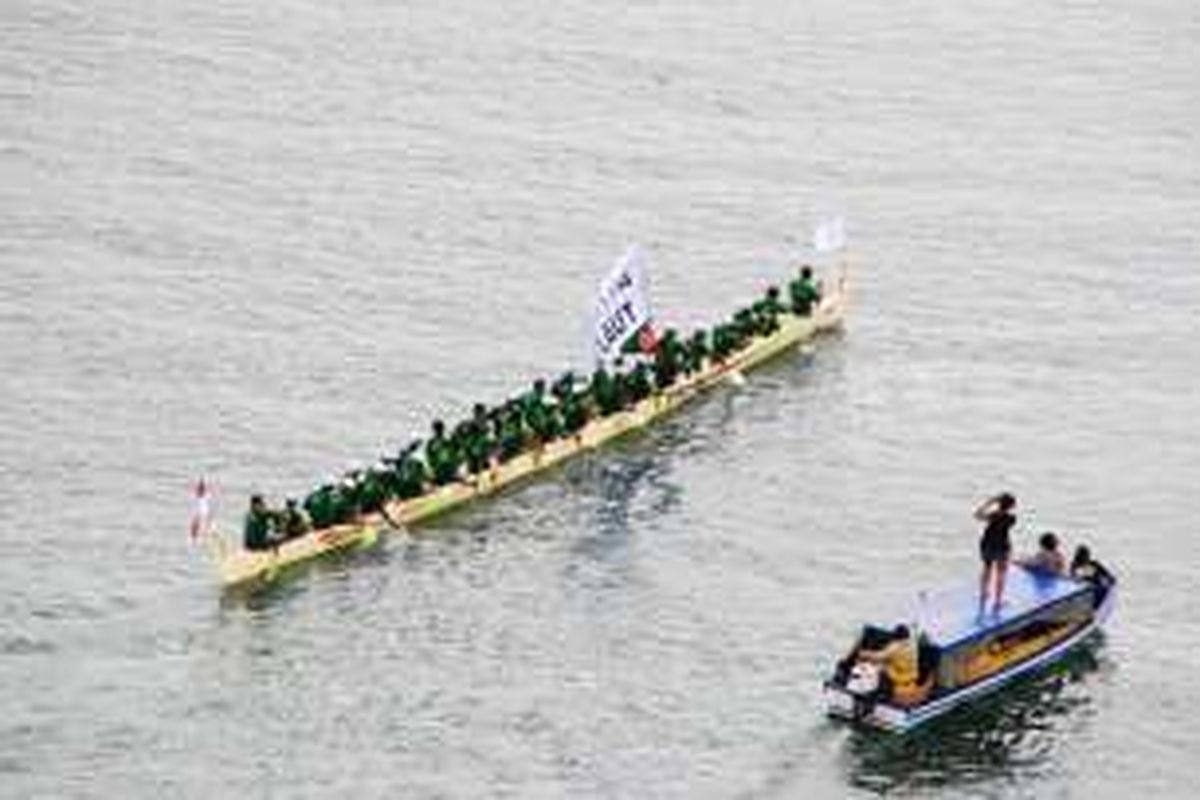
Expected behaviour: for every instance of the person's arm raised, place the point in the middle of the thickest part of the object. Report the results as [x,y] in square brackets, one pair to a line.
[985,508]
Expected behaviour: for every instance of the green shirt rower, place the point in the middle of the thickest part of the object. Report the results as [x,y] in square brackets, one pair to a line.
[668,359]
[257,528]
[443,457]
[294,521]
[639,383]
[512,433]
[477,445]
[540,417]
[805,292]
[724,341]
[695,352]
[604,392]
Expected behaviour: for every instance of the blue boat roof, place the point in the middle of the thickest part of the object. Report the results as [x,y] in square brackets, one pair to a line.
[952,617]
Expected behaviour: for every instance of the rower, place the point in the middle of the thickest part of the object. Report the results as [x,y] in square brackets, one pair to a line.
[695,352]
[668,359]
[348,495]
[539,416]
[574,412]
[639,383]
[320,506]
[372,489]
[477,445]
[443,457]
[764,313]
[774,305]
[409,473]
[294,521]
[603,392]
[805,292]
[744,327]
[257,528]
[724,341]
[512,432]
[621,384]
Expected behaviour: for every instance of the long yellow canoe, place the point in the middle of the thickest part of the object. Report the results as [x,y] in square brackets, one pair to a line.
[237,566]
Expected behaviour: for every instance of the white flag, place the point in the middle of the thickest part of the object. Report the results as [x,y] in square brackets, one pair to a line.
[623,305]
[830,235]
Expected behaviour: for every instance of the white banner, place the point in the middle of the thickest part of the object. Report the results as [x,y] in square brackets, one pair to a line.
[623,305]
[830,235]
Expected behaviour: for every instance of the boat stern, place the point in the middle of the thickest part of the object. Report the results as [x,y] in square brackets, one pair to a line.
[843,704]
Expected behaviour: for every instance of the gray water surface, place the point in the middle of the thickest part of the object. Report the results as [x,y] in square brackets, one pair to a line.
[264,242]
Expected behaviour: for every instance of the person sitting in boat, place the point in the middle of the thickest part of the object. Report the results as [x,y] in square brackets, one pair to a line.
[995,545]
[350,497]
[512,431]
[372,489]
[320,506]
[805,292]
[570,404]
[724,341]
[257,530]
[765,313]
[540,417]
[1085,568]
[603,392]
[638,383]
[744,327]
[473,440]
[668,359]
[624,373]
[442,456]
[897,661]
[409,474]
[1047,560]
[294,522]
[695,352]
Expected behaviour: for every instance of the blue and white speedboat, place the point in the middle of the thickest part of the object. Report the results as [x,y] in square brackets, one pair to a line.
[963,653]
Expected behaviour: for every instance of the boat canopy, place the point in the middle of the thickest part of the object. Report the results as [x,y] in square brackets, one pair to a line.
[952,618]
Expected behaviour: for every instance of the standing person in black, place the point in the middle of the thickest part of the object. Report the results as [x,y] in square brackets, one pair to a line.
[994,545]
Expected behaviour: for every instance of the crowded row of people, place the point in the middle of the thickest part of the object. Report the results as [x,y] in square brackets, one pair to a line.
[492,436]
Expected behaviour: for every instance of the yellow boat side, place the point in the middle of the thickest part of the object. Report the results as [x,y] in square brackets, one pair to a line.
[238,566]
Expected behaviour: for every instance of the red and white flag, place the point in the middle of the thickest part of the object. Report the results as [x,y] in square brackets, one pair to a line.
[201,511]
[647,338]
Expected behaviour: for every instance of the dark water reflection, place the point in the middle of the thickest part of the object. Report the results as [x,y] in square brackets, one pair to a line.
[1013,733]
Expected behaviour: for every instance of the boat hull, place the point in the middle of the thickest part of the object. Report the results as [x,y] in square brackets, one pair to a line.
[841,704]
[239,567]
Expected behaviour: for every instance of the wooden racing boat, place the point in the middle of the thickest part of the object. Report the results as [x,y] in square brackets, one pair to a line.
[237,566]
[963,654]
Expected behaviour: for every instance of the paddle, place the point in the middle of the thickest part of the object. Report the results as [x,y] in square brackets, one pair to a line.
[383,512]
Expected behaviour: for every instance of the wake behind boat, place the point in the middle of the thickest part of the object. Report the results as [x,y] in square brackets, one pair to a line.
[963,652]
[524,436]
